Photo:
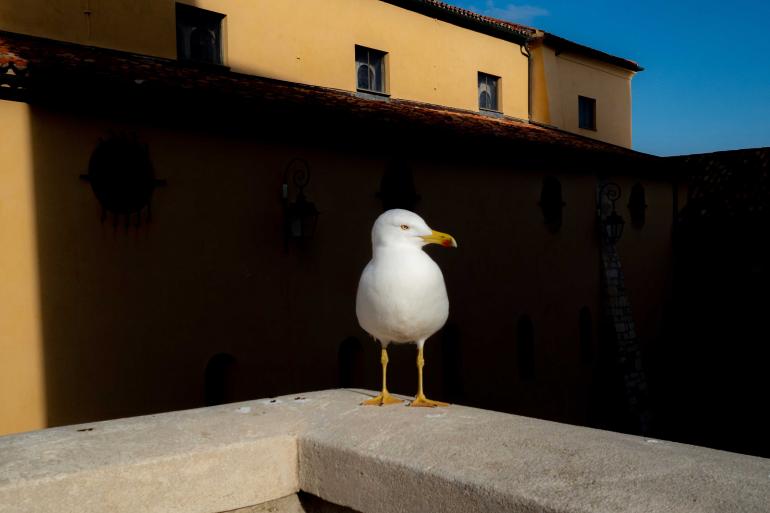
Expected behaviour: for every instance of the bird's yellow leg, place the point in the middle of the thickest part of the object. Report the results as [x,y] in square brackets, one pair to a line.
[384,397]
[421,400]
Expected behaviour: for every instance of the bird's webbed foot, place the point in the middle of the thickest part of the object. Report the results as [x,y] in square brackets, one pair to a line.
[424,402]
[382,399]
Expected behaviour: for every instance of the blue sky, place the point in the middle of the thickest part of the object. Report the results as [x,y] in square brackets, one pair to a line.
[706,84]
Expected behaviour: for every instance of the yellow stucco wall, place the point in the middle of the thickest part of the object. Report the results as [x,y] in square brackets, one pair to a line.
[22,395]
[558,80]
[541,110]
[306,41]
[129,317]
[140,26]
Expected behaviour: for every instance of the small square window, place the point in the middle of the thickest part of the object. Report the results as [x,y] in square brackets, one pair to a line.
[587,113]
[488,96]
[370,70]
[198,34]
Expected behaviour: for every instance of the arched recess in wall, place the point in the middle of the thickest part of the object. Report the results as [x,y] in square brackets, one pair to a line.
[525,347]
[218,379]
[397,188]
[586,335]
[350,361]
[552,203]
[637,205]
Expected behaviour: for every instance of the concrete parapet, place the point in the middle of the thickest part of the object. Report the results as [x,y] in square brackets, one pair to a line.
[386,459]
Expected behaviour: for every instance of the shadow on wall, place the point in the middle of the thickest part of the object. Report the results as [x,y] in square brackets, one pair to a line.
[204,303]
[197,301]
[134,308]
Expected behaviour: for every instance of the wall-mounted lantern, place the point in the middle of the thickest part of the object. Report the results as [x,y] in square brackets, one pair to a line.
[612,224]
[300,215]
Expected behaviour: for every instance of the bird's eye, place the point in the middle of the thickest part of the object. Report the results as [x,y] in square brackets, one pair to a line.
[404,227]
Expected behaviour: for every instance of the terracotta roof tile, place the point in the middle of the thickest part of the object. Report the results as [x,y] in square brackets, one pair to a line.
[561,44]
[8,58]
[480,17]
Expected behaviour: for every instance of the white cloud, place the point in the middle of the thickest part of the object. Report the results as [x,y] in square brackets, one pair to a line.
[512,12]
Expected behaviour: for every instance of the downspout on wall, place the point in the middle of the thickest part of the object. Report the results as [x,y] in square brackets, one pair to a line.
[525,51]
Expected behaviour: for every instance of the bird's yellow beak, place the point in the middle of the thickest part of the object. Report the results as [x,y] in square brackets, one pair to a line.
[443,239]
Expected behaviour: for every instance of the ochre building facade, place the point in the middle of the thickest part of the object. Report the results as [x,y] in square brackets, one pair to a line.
[108,316]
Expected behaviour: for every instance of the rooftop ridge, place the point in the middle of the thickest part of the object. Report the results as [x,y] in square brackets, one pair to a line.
[529,33]
[525,29]
[468,19]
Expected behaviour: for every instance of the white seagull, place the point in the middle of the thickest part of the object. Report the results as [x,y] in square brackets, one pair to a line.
[401,295]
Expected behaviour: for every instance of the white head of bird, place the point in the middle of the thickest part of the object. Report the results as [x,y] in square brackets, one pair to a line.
[403,228]
[401,295]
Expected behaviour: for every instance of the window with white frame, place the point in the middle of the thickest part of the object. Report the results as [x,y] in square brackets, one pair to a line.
[488,92]
[370,70]
[198,34]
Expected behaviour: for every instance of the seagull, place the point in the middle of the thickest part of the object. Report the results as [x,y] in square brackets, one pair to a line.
[401,294]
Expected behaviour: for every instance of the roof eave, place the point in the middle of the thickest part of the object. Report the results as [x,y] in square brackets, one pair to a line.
[456,17]
[67,73]
[561,44]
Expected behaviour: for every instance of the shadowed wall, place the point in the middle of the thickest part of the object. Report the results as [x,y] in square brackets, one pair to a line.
[131,316]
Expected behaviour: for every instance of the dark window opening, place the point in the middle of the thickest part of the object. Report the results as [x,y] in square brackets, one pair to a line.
[218,379]
[198,34]
[488,96]
[525,348]
[552,203]
[370,70]
[587,112]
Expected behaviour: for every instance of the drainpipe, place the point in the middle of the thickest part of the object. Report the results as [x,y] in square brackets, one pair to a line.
[525,51]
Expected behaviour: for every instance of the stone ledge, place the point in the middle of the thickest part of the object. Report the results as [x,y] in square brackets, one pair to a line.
[196,461]
[369,459]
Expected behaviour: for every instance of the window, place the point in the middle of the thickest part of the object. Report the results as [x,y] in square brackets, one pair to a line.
[218,379]
[552,203]
[488,97]
[370,70]
[198,34]
[587,112]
